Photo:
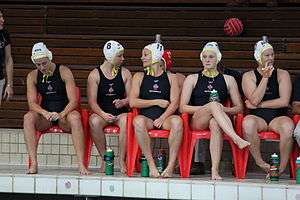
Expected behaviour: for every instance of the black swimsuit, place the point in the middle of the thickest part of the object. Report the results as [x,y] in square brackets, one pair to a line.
[154,88]
[201,92]
[108,91]
[272,92]
[53,91]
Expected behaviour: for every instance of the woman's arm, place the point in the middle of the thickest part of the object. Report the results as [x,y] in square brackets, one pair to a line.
[187,89]
[68,78]
[234,96]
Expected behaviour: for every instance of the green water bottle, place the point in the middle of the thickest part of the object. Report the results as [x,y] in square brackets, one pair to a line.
[144,167]
[274,170]
[161,161]
[298,170]
[109,162]
[214,96]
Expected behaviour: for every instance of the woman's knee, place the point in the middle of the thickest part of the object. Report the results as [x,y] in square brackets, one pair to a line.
[214,126]
[249,125]
[139,123]
[214,104]
[95,120]
[74,117]
[122,122]
[30,117]
[176,123]
[286,128]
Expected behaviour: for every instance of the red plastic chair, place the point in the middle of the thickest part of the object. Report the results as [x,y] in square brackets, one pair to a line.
[267,135]
[194,135]
[85,123]
[134,149]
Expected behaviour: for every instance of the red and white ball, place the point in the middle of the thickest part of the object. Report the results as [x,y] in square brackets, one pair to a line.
[233,27]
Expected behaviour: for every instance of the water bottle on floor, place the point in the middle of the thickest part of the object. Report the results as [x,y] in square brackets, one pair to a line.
[109,162]
[161,161]
[144,167]
[274,170]
[298,170]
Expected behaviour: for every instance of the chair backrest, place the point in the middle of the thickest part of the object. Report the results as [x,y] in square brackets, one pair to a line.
[39,98]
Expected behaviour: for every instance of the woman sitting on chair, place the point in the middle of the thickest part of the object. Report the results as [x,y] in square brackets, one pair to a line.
[56,85]
[267,90]
[199,99]
[156,94]
[108,91]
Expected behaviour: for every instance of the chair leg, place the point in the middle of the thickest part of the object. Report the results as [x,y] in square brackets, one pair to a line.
[293,156]
[130,143]
[87,136]
[236,155]
[133,157]
[243,163]
[182,154]
[190,157]
[183,151]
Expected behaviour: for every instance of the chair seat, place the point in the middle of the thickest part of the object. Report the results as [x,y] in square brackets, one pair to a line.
[54,129]
[205,134]
[267,135]
[158,133]
[200,134]
[111,129]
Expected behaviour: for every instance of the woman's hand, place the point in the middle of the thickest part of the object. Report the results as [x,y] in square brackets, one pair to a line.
[267,70]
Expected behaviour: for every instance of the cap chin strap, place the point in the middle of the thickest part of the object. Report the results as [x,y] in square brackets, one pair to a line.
[211,73]
[149,71]
[46,76]
[115,69]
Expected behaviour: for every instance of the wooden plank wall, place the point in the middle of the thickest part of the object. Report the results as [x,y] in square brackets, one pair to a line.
[76,33]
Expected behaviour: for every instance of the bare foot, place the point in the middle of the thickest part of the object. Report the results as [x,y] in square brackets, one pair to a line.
[32,170]
[153,172]
[123,167]
[264,166]
[242,143]
[215,175]
[167,173]
[83,171]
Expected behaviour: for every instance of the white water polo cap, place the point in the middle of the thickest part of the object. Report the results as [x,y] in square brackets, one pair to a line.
[259,48]
[111,48]
[40,50]
[157,51]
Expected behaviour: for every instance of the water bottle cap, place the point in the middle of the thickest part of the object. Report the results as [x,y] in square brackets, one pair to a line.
[274,155]
[298,158]
[157,38]
[265,38]
[109,150]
